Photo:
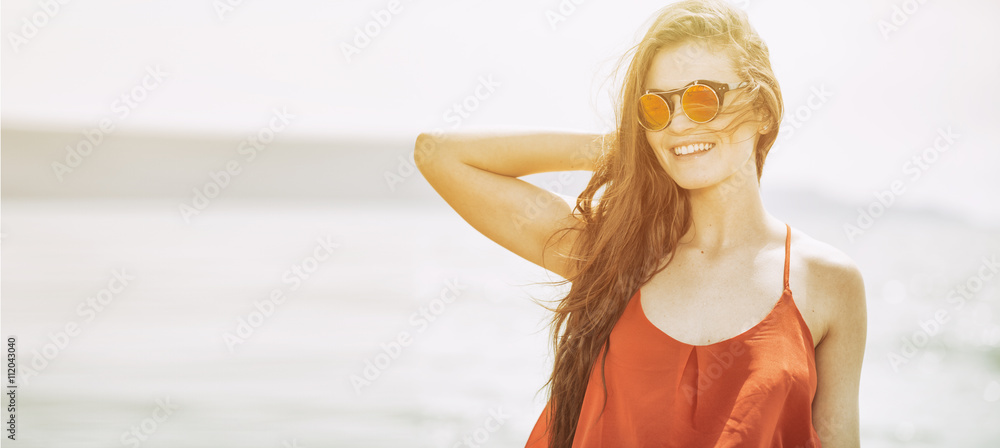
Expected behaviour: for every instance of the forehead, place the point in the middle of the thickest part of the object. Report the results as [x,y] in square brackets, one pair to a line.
[674,67]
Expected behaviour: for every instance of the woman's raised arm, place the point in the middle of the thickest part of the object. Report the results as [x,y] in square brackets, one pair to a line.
[477,175]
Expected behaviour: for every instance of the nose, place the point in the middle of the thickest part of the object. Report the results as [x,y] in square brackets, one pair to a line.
[679,121]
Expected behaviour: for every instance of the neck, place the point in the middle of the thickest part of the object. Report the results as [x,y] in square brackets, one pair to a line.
[728,214]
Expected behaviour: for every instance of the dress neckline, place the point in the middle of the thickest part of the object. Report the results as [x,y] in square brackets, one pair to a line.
[745,333]
[785,292]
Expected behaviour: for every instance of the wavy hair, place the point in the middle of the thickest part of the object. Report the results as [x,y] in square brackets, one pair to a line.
[627,235]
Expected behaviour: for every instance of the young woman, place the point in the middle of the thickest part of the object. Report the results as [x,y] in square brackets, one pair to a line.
[681,328]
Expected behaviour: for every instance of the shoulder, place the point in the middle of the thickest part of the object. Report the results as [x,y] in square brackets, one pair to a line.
[825,265]
[834,285]
[831,280]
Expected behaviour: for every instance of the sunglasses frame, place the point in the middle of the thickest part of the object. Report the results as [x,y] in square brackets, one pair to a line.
[720,89]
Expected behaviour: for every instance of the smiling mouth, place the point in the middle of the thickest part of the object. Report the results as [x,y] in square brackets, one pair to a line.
[693,148]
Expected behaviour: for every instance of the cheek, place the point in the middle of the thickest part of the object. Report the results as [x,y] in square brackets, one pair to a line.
[652,138]
[739,154]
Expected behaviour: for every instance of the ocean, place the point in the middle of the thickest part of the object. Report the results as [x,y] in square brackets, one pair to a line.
[324,296]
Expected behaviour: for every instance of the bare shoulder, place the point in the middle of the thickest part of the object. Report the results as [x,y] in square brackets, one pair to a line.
[831,280]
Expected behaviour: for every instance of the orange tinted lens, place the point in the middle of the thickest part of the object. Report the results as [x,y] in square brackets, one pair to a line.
[653,112]
[700,103]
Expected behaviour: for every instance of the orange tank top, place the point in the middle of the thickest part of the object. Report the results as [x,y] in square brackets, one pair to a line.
[752,390]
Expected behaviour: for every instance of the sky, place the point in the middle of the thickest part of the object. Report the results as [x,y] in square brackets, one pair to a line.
[896,75]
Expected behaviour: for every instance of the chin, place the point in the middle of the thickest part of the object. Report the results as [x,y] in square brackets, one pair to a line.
[695,184]
[693,181]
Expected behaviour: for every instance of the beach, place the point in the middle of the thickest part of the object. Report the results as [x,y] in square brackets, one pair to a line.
[311,304]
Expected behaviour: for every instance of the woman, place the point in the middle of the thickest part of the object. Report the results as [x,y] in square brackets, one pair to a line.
[671,334]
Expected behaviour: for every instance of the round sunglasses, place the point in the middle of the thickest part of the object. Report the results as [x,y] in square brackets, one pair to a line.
[700,100]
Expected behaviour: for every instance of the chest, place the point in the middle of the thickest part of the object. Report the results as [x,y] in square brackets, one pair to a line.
[701,301]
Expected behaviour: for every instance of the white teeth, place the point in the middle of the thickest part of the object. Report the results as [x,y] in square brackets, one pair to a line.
[688,149]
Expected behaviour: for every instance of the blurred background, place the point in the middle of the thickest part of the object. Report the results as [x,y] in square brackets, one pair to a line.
[212,232]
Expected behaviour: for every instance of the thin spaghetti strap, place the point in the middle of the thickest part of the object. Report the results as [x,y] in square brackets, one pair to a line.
[788,244]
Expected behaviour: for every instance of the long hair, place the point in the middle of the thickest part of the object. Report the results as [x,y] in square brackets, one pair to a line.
[633,213]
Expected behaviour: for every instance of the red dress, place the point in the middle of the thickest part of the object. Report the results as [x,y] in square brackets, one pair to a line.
[752,390]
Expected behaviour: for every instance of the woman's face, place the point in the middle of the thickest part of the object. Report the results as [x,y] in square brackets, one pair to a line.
[673,68]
